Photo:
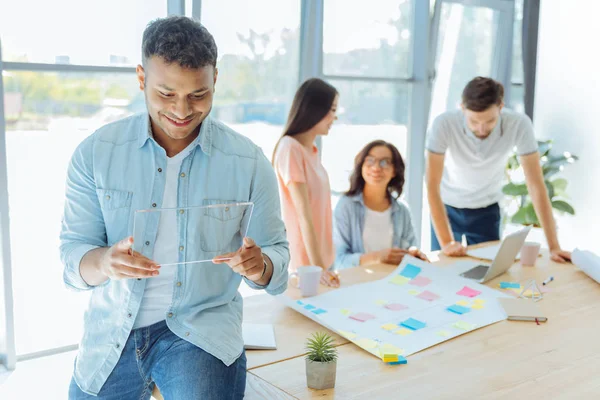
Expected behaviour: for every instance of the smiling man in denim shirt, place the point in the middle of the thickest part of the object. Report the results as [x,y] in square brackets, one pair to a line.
[177,327]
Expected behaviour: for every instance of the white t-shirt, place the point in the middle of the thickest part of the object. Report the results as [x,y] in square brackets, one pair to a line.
[158,293]
[474,168]
[378,233]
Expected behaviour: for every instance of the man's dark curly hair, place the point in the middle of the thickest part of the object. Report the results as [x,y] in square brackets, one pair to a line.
[179,40]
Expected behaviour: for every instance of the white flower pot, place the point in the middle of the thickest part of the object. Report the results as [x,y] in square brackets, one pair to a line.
[320,375]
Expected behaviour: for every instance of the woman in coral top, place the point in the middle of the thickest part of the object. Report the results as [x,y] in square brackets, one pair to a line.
[303,182]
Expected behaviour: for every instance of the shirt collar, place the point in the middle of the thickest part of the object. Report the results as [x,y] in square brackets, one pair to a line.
[205,134]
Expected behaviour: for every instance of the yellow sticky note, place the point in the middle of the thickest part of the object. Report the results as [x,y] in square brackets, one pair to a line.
[477,306]
[443,333]
[479,301]
[380,302]
[462,303]
[345,311]
[366,343]
[347,335]
[399,280]
[389,327]
[387,348]
[465,326]
[403,332]
[413,292]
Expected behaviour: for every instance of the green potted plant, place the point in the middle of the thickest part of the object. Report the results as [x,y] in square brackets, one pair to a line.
[321,361]
[517,191]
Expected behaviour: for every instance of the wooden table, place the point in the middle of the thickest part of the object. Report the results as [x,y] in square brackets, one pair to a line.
[557,359]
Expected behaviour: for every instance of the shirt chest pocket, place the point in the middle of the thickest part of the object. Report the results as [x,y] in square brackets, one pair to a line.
[223,225]
[116,208]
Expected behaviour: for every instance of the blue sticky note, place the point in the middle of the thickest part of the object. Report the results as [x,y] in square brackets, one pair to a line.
[401,360]
[455,308]
[413,324]
[309,307]
[509,285]
[299,302]
[410,271]
[319,311]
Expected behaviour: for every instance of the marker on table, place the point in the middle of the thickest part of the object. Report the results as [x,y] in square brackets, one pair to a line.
[548,280]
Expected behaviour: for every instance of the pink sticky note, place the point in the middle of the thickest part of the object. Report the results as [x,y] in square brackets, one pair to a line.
[362,317]
[429,296]
[468,292]
[420,281]
[395,307]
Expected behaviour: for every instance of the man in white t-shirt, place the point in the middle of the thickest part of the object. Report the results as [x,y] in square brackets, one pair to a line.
[467,151]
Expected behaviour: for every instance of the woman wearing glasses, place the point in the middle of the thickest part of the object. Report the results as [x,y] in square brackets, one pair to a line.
[371,225]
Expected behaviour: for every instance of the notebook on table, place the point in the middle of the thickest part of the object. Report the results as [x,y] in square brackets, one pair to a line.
[522,310]
[258,336]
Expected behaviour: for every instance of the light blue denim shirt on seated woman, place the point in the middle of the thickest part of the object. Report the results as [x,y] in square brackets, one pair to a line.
[349,224]
[118,170]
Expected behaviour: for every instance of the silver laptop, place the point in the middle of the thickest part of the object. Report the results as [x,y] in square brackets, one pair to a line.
[511,245]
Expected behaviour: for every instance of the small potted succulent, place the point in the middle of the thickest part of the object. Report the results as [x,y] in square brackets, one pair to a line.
[321,361]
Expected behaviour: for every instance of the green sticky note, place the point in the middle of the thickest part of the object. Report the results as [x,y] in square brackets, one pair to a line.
[465,326]
[413,292]
[389,327]
[443,333]
[380,302]
[403,332]
[399,280]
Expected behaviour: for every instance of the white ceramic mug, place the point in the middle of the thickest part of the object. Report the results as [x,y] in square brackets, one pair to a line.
[308,279]
[529,253]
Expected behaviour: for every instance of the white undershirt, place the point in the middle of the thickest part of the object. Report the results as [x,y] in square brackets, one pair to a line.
[158,293]
[378,233]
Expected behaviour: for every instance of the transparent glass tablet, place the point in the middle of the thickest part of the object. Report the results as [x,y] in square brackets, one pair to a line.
[207,232]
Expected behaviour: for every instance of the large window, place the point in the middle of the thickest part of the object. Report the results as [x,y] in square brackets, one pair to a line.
[258,64]
[99,32]
[367,57]
[48,115]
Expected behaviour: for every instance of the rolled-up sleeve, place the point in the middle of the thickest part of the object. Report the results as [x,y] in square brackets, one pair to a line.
[437,139]
[342,236]
[266,227]
[82,227]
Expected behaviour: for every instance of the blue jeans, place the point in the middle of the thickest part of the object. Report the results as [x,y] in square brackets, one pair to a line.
[156,356]
[476,224]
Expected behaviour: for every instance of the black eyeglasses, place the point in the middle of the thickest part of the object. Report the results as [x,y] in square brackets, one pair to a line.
[383,163]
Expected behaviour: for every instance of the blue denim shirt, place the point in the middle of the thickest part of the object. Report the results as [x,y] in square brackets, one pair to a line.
[349,223]
[116,171]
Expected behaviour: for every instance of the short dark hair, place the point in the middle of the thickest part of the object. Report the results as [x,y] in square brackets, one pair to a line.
[394,187]
[482,93]
[180,40]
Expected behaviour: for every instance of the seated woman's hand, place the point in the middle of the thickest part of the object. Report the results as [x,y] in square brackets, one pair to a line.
[413,251]
[392,256]
[330,278]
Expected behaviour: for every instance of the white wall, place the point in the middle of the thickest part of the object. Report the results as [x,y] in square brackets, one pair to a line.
[567,108]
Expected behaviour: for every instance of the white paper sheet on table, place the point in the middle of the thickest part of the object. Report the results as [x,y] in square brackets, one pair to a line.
[333,310]
[588,262]
[258,336]
[488,252]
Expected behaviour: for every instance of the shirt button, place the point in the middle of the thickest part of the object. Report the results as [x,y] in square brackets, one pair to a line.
[187,334]
[178,284]
[147,243]
[129,315]
[181,211]
[139,279]
[160,170]
[153,204]
[170,315]
[118,346]
[180,248]
[226,208]
[182,175]
[107,197]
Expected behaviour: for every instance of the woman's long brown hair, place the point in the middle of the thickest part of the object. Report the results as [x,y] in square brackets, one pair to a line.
[311,104]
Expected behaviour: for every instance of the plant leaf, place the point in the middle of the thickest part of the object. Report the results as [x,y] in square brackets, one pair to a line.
[549,189]
[560,186]
[563,206]
[520,217]
[544,147]
[513,189]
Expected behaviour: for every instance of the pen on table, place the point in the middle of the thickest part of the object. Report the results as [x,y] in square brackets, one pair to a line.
[548,280]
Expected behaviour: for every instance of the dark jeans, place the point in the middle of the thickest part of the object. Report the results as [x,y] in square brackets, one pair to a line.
[156,356]
[476,224]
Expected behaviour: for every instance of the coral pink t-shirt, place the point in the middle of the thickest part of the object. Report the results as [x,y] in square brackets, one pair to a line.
[295,163]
